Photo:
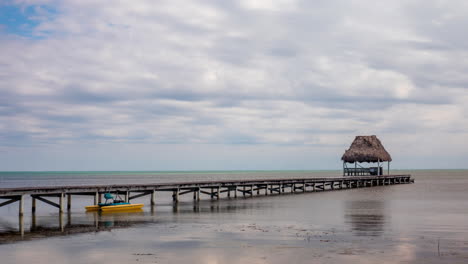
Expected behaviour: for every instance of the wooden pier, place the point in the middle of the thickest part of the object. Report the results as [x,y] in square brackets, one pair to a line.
[212,189]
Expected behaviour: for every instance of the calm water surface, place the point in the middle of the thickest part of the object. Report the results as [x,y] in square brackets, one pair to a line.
[425,222]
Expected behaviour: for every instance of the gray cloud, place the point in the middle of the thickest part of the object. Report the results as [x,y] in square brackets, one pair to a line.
[236,73]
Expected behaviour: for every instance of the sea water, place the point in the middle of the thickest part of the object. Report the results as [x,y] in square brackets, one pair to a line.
[424,222]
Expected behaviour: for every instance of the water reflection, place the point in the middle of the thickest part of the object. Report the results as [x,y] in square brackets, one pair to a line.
[366,218]
[36,227]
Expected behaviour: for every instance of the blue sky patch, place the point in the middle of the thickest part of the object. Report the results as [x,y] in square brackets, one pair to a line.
[22,20]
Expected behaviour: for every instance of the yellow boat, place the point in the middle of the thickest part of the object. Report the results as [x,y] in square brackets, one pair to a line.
[115,206]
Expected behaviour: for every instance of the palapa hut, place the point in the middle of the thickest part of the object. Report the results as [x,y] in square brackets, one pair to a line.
[365,149]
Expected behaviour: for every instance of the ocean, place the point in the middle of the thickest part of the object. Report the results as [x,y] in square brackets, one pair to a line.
[424,222]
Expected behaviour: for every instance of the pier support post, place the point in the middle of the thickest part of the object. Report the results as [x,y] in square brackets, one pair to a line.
[153,197]
[33,205]
[69,198]
[251,190]
[21,205]
[61,224]
[96,198]
[61,202]
[21,225]
[126,196]
[218,193]
[175,196]
[33,222]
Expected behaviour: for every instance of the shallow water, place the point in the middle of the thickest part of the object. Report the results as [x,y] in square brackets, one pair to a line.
[425,222]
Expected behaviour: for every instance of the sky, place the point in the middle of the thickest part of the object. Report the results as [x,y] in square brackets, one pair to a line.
[231,85]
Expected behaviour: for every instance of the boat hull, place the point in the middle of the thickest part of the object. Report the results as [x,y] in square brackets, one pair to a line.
[121,207]
[114,208]
[92,208]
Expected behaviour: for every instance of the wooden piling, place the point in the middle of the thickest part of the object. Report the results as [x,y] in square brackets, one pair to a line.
[153,197]
[61,202]
[21,205]
[33,205]
[69,200]
[175,196]
[127,196]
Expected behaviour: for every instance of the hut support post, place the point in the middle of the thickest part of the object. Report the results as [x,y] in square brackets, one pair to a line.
[378,167]
[388,167]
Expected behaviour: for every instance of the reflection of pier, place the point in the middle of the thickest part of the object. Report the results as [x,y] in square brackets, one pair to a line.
[67,224]
[64,228]
[214,189]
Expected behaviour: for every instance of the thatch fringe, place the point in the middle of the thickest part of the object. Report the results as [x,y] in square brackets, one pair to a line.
[366,149]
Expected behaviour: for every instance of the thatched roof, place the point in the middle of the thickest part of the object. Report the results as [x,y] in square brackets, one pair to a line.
[366,149]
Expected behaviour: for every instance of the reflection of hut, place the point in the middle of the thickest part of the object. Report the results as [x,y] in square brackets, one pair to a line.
[365,149]
[365,217]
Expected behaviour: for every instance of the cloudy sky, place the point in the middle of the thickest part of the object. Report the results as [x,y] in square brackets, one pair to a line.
[230,85]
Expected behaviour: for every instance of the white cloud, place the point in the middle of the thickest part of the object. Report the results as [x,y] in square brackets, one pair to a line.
[254,72]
